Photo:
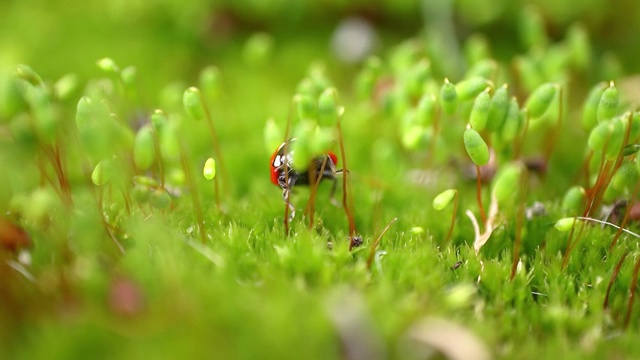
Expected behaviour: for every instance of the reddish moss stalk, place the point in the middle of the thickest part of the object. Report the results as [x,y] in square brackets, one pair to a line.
[315,182]
[632,288]
[345,173]
[614,276]
[287,199]
[625,219]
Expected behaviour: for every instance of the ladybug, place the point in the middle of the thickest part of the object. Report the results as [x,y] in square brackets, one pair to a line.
[285,176]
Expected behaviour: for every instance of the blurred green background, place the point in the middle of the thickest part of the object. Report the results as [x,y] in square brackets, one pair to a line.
[170,39]
[277,298]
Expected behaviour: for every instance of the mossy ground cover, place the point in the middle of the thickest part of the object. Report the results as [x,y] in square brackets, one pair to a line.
[139,259]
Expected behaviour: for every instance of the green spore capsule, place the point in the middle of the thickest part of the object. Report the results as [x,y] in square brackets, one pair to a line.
[128,76]
[448,98]
[328,107]
[609,101]
[169,142]
[574,200]
[443,199]
[209,80]
[565,224]
[485,68]
[414,137]
[529,72]
[506,184]
[42,202]
[272,135]
[192,103]
[476,148]
[305,107]
[366,79]
[83,112]
[258,49]
[103,172]
[141,193]
[513,122]
[579,46]
[66,87]
[590,107]
[45,120]
[159,120]
[301,149]
[611,194]
[209,169]
[531,28]
[626,177]
[26,73]
[630,149]
[426,110]
[160,199]
[498,108]
[144,151]
[417,77]
[470,88]
[635,126]
[145,180]
[599,136]
[108,65]
[177,177]
[614,146]
[322,139]
[541,99]
[480,110]
[476,49]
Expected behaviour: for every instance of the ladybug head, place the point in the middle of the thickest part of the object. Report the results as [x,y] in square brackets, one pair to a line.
[333,157]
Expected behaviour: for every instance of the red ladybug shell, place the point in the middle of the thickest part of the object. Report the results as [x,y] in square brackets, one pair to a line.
[278,159]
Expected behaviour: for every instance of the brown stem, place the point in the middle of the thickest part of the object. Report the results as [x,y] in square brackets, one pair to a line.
[625,219]
[569,248]
[65,188]
[345,173]
[315,182]
[195,197]
[609,175]
[287,199]
[376,243]
[632,287]
[483,216]
[614,275]
[127,200]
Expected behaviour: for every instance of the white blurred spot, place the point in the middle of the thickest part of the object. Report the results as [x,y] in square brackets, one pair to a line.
[353,40]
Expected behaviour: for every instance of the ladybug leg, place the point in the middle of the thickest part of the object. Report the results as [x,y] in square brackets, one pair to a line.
[286,183]
[286,194]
